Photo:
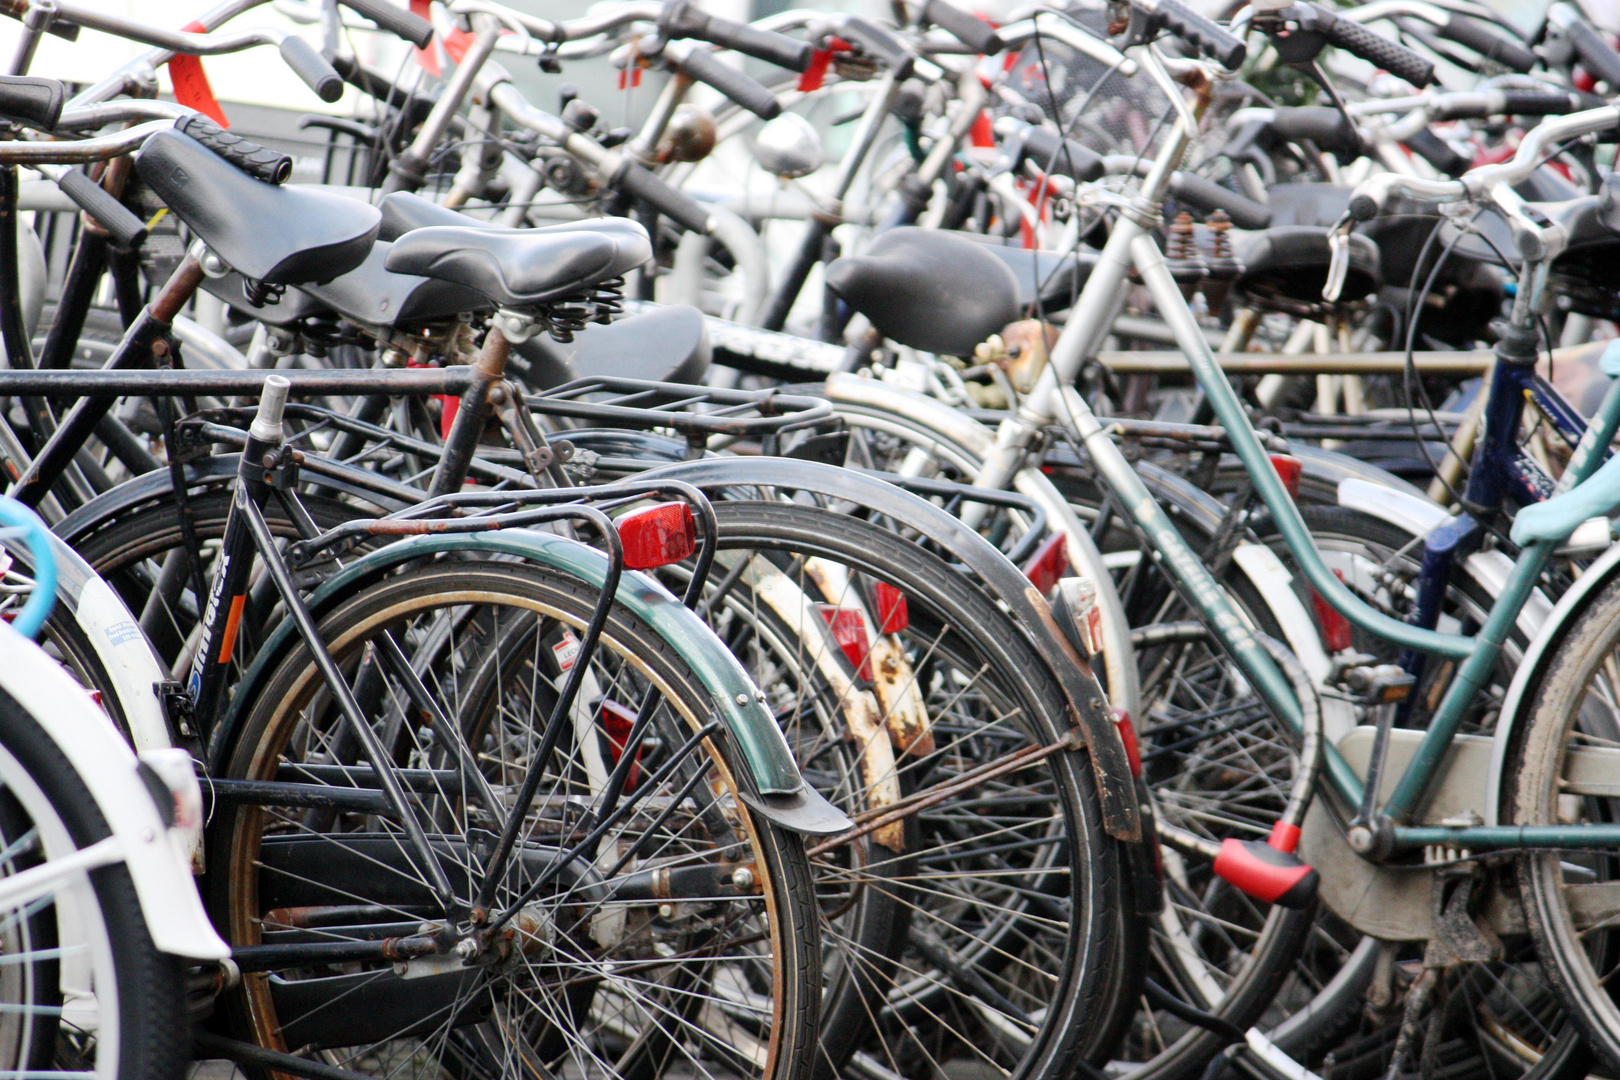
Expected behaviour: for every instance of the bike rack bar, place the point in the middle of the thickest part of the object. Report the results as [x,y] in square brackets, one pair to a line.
[127,383]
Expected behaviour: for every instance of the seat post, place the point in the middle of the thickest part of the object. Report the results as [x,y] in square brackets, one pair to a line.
[462,442]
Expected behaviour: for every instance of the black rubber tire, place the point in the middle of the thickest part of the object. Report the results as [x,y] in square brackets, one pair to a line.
[259,743]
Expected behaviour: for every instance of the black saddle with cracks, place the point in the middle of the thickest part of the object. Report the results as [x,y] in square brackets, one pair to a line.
[929,290]
[277,235]
[523,267]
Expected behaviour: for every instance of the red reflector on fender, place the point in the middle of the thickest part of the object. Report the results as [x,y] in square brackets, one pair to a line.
[892,614]
[657,535]
[849,632]
[1049,563]
[1289,469]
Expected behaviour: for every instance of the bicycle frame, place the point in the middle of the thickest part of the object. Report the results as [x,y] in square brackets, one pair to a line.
[1131,245]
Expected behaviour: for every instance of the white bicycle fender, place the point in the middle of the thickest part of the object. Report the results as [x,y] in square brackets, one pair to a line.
[1529,670]
[1419,517]
[155,855]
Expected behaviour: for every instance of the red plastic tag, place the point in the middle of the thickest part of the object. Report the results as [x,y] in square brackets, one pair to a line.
[191,87]
[817,71]
[982,134]
[428,58]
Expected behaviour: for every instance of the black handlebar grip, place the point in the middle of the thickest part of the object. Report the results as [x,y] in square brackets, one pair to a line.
[879,44]
[35,102]
[970,30]
[679,207]
[706,68]
[403,24]
[1323,125]
[1206,195]
[1065,157]
[124,227]
[681,20]
[257,161]
[1202,34]
[1398,60]
[1437,152]
[1492,46]
[1539,103]
[1597,56]
[309,65]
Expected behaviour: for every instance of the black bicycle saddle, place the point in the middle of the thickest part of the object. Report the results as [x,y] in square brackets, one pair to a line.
[928,289]
[1290,263]
[373,294]
[667,344]
[522,267]
[405,211]
[278,235]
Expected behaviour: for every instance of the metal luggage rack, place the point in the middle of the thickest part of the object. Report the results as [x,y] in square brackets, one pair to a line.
[691,410]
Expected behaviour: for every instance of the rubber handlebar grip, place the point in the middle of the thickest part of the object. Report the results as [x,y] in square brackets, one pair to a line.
[1064,157]
[1492,46]
[969,29]
[1381,52]
[310,66]
[679,207]
[257,161]
[121,224]
[1206,195]
[35,102]
[706,68]
[1201,33]
[681,20]
[1540,103]
[1437,152]
[1321,124]
[402,24]
[1597,55]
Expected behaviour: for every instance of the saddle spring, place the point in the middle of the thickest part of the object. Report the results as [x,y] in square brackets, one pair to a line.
[568,316]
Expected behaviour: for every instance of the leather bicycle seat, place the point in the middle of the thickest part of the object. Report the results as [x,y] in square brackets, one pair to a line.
[1289,263]
[522,267]
[668,344]
[279,235]
[929,290]
[404,211]
[1044,276]
[375,295]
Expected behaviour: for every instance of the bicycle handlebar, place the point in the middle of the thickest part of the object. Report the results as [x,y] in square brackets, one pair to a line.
[1596,54]
[32,101]
[967,28]
[1371,194]
[403,24]
[696,62]
[1474,35]
[679,19]
[1211,40]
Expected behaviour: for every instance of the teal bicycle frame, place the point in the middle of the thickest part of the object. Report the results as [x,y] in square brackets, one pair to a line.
[1130,245]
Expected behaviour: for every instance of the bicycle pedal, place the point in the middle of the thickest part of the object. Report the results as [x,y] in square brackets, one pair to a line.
[1266,873]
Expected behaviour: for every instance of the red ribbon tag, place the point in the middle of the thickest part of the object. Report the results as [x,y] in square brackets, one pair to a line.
[820,60]
[191,87]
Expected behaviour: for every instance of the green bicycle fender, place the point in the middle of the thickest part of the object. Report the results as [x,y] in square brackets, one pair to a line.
[780,791]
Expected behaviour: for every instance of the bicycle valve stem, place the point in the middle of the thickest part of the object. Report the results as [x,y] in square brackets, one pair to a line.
[266,425]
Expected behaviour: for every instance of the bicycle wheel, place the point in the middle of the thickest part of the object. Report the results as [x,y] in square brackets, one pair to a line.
[624,963]
[83,991]
[1557,775]
[981,939]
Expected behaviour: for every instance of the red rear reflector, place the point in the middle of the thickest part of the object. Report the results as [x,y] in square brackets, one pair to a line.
[892,614]
[617,720]
[657,535]
[1289,469]
[1334,626]
[1048,565]
[849,631]
[1127,735]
